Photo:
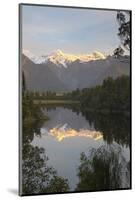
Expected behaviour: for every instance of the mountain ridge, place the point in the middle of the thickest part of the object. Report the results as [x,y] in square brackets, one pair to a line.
[48,76]
[60,58]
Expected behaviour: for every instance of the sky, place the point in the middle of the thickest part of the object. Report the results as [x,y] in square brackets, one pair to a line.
[74,31]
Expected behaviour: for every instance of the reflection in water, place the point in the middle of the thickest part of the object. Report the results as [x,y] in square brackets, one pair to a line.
[106,166]
[37,176]
[114,127]
[80,134]
[61,132]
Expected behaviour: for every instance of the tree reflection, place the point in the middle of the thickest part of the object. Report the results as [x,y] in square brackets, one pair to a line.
[37,176]
[103,169]
[32,119]
[114,127]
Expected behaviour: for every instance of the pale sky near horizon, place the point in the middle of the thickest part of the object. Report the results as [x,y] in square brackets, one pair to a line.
[76,31]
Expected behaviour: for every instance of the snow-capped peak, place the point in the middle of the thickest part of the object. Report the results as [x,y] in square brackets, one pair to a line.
[57,52]
[34,58]
[60,58]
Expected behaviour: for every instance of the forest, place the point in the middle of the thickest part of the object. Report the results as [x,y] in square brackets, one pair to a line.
[112,96]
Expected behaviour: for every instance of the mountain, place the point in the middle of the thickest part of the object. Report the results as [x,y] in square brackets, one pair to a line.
[39,77]
[63,59]
[65,72]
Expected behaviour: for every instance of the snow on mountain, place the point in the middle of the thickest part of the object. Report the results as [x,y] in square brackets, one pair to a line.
[63,59]
[34,58]
[56,77]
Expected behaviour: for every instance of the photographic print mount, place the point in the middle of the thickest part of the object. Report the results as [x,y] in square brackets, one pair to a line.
[75,99]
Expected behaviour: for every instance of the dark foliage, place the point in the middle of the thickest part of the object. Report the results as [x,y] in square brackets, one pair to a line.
[123,19]
[103,169]
[37,176]
[112,97]
[114,127]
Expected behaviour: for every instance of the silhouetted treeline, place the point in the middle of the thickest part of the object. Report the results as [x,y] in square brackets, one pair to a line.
[111,96]
[49,95]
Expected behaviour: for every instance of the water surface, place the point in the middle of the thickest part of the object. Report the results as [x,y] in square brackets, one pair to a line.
[69,133]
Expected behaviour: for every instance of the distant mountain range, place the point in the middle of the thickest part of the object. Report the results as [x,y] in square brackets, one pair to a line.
[62,59]
[65,72]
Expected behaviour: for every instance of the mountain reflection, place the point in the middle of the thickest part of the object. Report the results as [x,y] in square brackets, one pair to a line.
[61,132]
[115,128]
[100,168]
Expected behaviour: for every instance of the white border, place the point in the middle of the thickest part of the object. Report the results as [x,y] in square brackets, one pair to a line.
[9,97]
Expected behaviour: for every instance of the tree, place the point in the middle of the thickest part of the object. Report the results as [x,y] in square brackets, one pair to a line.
[104,168]
[37,176]
[118,52]
[123,18]
[23,82]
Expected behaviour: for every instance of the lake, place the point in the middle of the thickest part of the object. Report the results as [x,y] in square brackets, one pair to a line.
[69,132]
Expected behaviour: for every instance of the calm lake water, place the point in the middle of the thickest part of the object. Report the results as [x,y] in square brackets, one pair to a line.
[68,133]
